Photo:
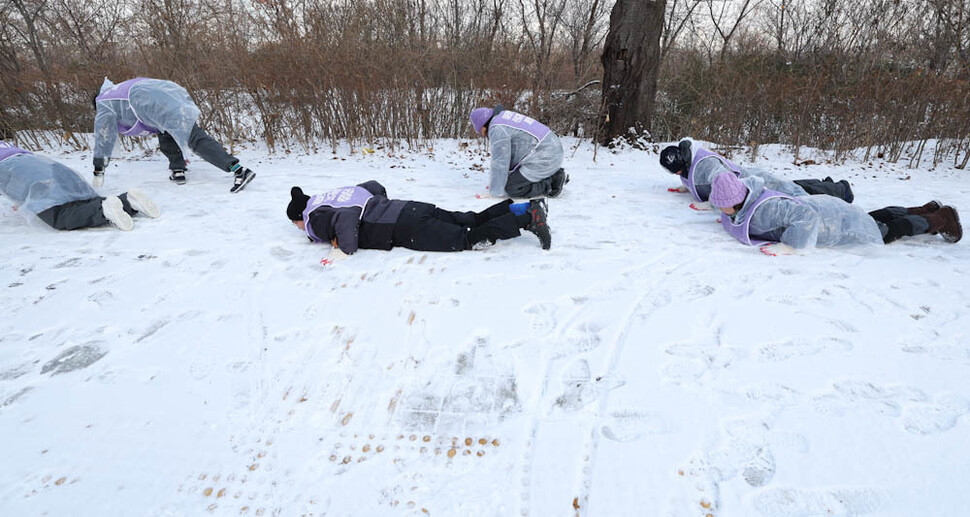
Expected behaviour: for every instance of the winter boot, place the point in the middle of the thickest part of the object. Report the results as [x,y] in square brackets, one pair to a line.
[142,203]
[946,222]
[243,177]
[559,180]
[178,176]
[928,208]
[539,225]
[114,211]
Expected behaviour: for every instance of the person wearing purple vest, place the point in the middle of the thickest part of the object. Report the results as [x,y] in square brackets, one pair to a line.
[697,168]
[143,106]
[58,195]
[755,215]
[362,217]
[526,155]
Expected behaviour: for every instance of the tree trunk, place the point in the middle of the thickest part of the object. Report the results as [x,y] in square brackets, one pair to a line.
[631,58]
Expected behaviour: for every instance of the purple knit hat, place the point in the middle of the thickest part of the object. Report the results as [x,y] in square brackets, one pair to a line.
[727,190]
[479,117]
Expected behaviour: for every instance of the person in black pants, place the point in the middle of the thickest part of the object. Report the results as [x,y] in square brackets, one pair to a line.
[57,195]
[362,217]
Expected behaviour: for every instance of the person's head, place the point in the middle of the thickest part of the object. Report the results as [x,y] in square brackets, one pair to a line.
[479,118]
[294,211]
[676,158]
[728,193]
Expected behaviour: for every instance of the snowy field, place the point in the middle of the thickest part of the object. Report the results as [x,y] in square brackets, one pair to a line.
[649,364]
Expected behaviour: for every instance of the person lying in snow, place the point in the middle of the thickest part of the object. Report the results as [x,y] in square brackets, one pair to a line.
[363,217]
[697,169]
[59,196]
[756,215]
[526,155]
[144,106]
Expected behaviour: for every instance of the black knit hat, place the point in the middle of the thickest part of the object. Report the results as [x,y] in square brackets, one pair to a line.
[297,204]
[671,160]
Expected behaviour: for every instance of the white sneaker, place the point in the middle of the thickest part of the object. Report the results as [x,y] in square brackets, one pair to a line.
[145,206]
[114,211]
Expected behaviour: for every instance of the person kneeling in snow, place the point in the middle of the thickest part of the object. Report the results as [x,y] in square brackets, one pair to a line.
[363,217]
[697,169]
[756,215]
[526,155]
[143,106]
[58,196]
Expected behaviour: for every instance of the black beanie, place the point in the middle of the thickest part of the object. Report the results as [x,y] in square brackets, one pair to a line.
[297,204]
[672,160]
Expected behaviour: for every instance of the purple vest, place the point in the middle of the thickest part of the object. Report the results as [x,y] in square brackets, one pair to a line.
[740,230]
[344,197]
[519,121]
[7,150]
[699,155]
[120,91]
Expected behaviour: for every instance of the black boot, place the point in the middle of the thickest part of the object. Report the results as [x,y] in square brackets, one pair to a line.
[946,222]
[559,180]
[539,225]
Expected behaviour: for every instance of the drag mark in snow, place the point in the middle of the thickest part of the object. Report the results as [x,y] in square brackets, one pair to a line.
[834,501]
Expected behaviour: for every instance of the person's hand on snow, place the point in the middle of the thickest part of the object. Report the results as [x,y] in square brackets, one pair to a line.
[681,189]
[701,207]
[98,179]
[336,255]
[484,195]
[773,250]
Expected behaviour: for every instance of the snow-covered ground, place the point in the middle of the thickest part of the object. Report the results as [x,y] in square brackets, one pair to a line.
[647,365]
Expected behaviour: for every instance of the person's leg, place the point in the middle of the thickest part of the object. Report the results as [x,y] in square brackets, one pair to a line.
[895,222]
[168,147]
[519,186]
[89,213]
[425,227]
[210,150]
[471,219]
[840,189]
[420,228]
[885,215]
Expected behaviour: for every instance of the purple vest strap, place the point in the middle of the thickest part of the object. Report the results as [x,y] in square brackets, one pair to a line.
[699,155]
[7,150]
[344,197]
[121,91]
[740,230]
[519,121]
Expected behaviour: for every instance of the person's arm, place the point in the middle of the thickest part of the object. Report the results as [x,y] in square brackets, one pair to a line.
[346,225]
[500,145]
[105,136]
[374,187]
[799,221]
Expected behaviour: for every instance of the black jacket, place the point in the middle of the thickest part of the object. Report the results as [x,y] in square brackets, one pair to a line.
[373,229]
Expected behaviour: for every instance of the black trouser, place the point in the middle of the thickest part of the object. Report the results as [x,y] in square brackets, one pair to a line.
[895,222]
[840,189]
[80,214]
[201,144]
[521,187]
[425,227]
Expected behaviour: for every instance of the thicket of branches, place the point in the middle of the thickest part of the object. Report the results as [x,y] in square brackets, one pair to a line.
[874,74]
